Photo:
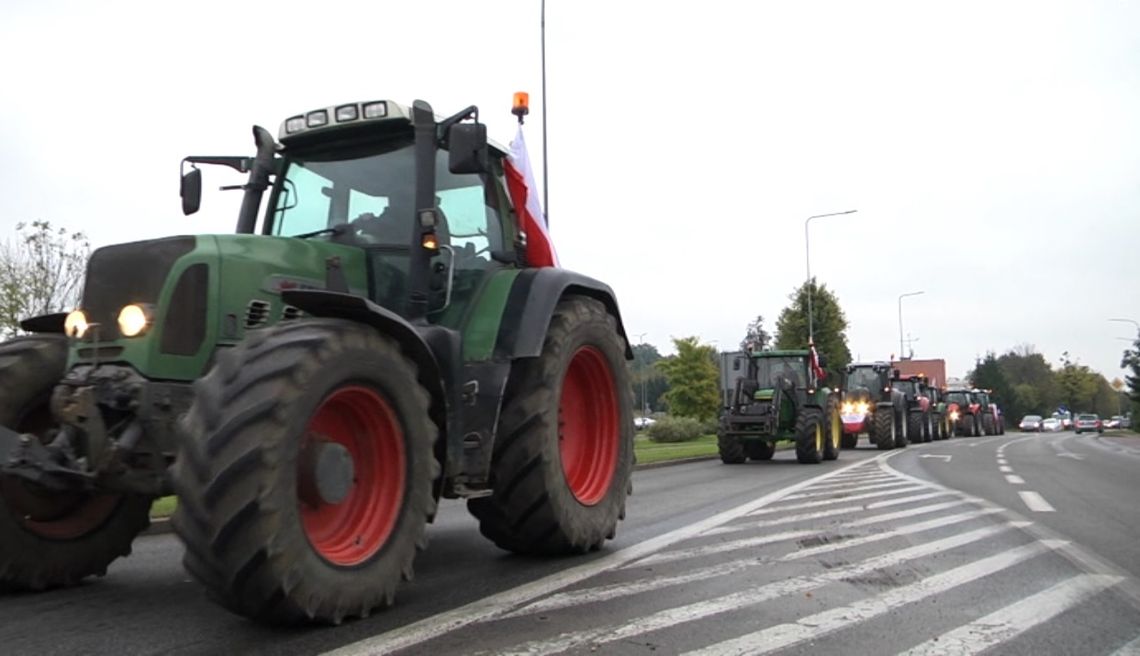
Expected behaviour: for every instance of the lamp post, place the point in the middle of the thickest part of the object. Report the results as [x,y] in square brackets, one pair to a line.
[1131,321]
[807,258]
[640,341]
[901,297]
[545,172]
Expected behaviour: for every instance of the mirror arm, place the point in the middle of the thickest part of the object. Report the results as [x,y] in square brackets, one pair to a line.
[445,124]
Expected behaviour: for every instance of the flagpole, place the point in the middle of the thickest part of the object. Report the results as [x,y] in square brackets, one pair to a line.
[545,172]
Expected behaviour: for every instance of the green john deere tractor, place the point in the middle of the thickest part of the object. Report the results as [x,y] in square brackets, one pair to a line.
[774,396]
[377,338]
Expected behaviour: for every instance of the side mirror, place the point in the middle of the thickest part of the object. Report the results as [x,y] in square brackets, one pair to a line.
[467,148]
[191,191]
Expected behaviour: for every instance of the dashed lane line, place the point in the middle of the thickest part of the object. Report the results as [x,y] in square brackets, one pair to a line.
[1014,479]
[1005,469]
[1035,501]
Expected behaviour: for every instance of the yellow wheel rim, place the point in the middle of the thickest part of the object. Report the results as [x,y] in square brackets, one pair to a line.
[835,430]
[818,438]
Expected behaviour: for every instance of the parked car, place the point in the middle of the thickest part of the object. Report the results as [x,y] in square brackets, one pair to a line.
[1030,423]
[1126,422]
[1066,419]
[1052,425]
[643,422]
[1113,421]
[1088,423]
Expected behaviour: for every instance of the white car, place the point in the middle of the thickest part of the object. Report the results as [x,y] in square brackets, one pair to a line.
[643,422]
[1052,425]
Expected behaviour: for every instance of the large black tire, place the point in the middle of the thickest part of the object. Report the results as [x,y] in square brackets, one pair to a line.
[50,539]
[914,427]
[900,424]
[731,449]
[809,436]
[537,506]
[883,429]
[261,545]
[988,426]
[928,427]
[832,430]
[759,449]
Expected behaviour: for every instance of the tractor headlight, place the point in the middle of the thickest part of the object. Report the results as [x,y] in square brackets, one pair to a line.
[847,408]
[953,415]
[862,407]
[134,319]
[75,325]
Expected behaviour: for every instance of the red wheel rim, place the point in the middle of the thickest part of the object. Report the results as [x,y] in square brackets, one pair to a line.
[589,428]
[352,531]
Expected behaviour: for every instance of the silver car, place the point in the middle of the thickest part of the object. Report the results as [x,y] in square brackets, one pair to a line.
[1030,423]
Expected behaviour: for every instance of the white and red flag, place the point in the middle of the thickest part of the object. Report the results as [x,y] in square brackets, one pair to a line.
[820,374]
[524,196]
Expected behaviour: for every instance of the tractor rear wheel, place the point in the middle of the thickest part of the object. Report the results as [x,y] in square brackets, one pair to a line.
[883,429]
[564,451]
[833,431]
[988,426]
[304,473]
[809,436]
[50,538]
[760,449]
[900,424]
[731,449]
[914,426]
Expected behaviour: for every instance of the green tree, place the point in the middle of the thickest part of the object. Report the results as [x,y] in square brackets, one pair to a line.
[755,337]
[1131,362]
[692,378]
[1078,385]
[829,325]
[649,383]
[41,272]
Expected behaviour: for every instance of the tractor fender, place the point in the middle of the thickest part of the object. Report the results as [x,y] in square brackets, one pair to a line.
[530,306]
[417,344]
[45,323]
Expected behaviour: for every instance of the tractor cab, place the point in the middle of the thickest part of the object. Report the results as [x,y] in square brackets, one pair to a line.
[868,381]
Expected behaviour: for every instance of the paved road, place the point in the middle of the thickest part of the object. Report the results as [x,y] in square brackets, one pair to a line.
[903,552]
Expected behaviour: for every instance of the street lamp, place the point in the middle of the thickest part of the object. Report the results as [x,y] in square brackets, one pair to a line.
[807,257]
[1131,321]
[901,297]
[641,340]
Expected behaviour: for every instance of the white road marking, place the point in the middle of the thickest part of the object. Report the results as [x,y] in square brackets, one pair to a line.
[849,484]
[1035,502]
[494,606]
[910,529]
[1017,618]
[848,510]
[720,547]
[1014,479]
[1130,649]
[1005,469]
[828,502]
[1002,461]
[835,619]
[749,597]
[812,493]
[935,455]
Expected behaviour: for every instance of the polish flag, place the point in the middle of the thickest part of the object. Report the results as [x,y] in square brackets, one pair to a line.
[524,196]
[820,374]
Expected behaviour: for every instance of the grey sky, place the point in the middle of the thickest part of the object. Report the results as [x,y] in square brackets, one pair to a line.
[687,141]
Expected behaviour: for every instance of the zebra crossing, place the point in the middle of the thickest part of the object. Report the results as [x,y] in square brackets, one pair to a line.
[853,563]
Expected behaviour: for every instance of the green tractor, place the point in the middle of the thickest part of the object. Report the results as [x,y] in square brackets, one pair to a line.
[774,396]
[375,339]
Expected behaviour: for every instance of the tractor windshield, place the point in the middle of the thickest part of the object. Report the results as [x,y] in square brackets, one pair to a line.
[905,386]
[865,378]
[961,398]
[769,370]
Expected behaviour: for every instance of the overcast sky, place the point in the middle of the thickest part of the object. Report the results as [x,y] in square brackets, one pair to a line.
[992,149]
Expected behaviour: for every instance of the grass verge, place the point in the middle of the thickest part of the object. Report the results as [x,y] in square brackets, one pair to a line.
[163,507]
[649,452]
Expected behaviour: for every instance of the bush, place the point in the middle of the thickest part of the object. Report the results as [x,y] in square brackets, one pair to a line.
[675,429]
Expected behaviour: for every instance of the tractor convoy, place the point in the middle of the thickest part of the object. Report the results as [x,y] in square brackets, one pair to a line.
[310,387]
[893,403]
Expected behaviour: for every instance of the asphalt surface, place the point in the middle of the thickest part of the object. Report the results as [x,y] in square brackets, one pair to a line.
[931,549]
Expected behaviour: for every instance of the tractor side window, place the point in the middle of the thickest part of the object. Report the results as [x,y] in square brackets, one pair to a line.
[304,203]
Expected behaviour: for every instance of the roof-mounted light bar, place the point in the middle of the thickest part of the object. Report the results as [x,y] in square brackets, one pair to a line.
[338,115]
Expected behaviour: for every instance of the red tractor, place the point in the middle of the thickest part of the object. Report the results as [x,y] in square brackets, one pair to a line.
[992,423]
[965,412]
[919,411]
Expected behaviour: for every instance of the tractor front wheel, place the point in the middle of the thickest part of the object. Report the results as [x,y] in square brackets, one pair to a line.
[882,429]
[760,449]
[564,450]
[50,538]
[304,473]
[809,437]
